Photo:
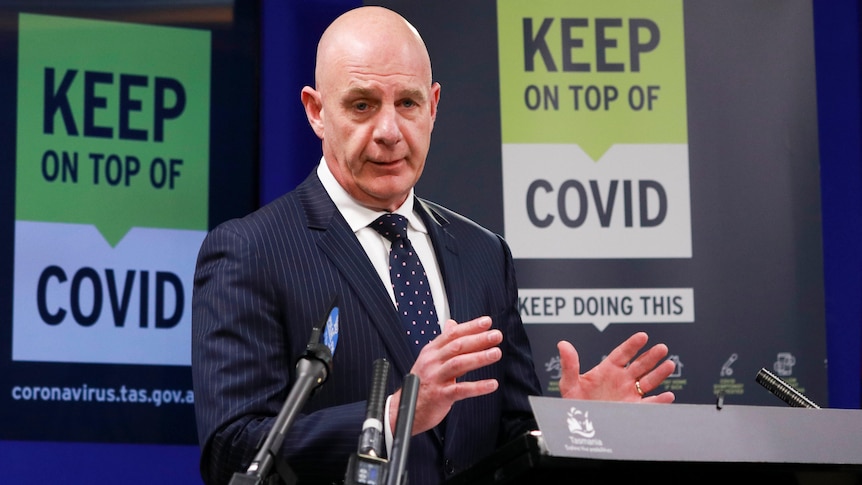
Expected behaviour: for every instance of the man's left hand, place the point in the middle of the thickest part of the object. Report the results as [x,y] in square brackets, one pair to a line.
[618,377]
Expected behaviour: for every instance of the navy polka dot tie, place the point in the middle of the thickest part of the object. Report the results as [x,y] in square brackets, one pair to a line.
[409,282]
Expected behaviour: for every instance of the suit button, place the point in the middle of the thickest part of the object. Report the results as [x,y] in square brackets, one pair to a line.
[448,466]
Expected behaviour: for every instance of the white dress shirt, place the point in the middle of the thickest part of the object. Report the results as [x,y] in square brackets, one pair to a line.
[376,246]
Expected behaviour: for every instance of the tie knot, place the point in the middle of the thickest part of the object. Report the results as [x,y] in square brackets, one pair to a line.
[391,226]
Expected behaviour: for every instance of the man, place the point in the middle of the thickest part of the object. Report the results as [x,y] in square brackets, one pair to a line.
[262,281]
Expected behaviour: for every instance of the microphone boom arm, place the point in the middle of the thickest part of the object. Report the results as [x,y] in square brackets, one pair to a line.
[312,370]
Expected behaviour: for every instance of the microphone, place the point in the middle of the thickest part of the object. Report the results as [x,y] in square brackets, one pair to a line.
[368,466]
[403,431]
[371,439]
[312,370]
[783,390]
[366,469]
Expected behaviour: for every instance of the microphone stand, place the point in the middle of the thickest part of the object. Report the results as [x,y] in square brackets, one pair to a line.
[312,369]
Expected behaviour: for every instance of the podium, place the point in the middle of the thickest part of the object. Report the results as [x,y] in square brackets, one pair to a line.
[606,442]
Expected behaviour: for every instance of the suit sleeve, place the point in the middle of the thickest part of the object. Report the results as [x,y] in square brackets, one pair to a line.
[520,374]
[242,369]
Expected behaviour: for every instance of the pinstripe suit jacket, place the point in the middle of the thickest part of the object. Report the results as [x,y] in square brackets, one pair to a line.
[263,280]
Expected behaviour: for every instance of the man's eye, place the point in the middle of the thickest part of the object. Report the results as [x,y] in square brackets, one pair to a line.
[361,106]
[408,103]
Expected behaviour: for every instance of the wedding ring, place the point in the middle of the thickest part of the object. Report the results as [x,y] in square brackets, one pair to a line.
[638,387]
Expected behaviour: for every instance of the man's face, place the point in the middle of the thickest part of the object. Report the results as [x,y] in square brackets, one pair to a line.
[378,107]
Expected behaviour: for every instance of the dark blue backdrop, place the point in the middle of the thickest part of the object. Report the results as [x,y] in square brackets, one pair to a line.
[289,149]
[836,34]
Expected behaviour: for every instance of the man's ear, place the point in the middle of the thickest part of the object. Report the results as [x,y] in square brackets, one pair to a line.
[435,100]
[313,109]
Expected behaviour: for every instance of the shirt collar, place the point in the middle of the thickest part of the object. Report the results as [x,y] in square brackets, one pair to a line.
[357,215]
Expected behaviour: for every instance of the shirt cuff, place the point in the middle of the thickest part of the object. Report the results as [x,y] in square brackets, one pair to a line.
[387,428]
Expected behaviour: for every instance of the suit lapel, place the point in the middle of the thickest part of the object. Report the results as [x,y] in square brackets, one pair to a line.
[446,249]
[340,245]
[448,258]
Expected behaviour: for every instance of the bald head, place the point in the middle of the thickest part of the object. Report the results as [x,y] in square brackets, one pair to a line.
[367,33]
[373,106]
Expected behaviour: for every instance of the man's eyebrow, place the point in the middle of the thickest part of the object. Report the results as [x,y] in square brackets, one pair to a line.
[417,94]
[360,92]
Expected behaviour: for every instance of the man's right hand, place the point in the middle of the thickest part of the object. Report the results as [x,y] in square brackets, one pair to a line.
[461,348]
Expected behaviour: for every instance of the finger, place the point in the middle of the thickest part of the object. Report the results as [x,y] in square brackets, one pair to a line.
[656,376]
[663,398]
[459,365]
[466,390]
[570,368]
[569,361]
[465,338]
[454,330]
[471,343]
[625,351]
[648,360]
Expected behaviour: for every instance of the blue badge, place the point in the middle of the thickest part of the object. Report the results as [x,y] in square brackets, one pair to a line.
[330,333]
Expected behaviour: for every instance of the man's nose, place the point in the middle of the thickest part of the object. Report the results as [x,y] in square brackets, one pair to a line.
[387,129]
